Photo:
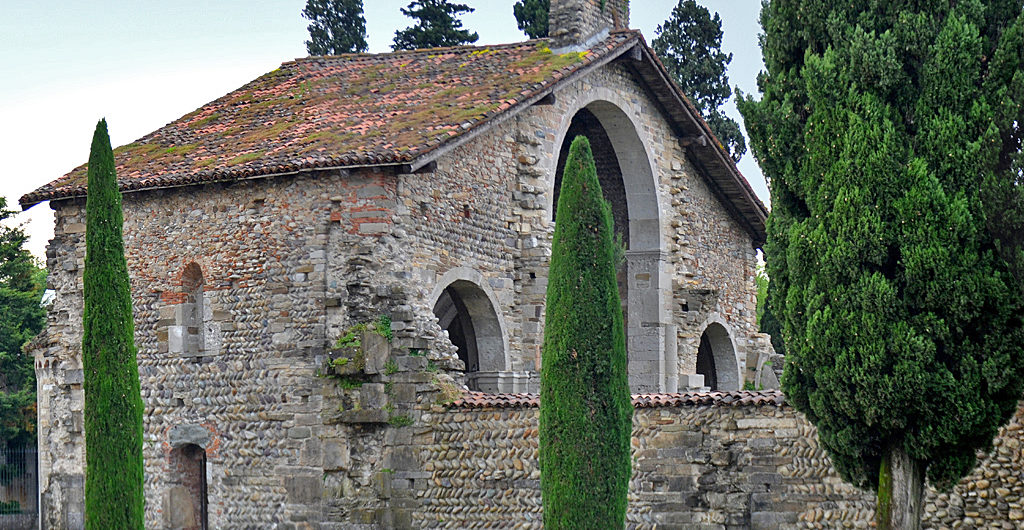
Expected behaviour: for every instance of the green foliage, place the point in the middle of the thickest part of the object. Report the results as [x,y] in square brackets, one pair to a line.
[761,283]
[532,17]
[336,27]
[113,406]
[22,316]
[766,320]
[390,367]
[383,327]
[400,420]
[891,135]
[352,337]
[436,26]
[9,507]
[585,411]
[349,383]
[689,44]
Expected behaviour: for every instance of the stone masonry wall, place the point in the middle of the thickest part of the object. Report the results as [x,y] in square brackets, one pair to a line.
[248,396]
[708,466]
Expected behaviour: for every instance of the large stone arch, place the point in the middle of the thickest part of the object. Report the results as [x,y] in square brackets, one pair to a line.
[467,307]
[718,358]
[650,333]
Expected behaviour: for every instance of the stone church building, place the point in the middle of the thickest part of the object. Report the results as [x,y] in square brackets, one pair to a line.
[416,185]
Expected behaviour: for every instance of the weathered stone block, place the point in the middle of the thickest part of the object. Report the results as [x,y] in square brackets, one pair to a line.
[336,454]
[376,350]
[303,490]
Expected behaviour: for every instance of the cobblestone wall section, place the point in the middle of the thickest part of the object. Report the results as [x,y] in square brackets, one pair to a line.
[706,466]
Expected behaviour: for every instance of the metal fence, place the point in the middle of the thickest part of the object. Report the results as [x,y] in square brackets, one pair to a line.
[19,486]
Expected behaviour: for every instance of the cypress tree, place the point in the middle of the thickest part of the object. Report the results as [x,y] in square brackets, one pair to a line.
[891,136]
[585,408]
[113,405]
[437,25]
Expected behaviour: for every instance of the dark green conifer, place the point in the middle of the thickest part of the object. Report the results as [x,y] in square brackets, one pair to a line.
[585,412]
[113,406]
[532,17]
[336,27]
[437,25]
[689,43]
[22,316]
[891,137]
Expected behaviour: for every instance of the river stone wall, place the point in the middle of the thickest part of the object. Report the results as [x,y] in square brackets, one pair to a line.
[707,461]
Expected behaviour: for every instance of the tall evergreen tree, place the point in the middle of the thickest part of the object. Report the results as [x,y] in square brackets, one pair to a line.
[21,317]
[884,129]
[336,27]
[585,409]
[532,17]
[689,43]
[437,25]
[113,406]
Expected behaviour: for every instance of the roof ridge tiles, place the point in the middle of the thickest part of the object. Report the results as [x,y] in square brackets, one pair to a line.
[735,398]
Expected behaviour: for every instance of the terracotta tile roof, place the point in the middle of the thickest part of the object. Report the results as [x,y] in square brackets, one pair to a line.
[476,400]
[342,111]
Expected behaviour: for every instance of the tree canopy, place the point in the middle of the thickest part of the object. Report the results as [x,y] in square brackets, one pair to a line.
[437,25]
[689,44]
[585,409]
[532,17]
[113,404]
[336,27]
[891,137]
[22,316]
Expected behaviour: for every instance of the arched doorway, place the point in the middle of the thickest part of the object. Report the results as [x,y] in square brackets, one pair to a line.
[716,359]
[628,181]
[185,504]
[466,312]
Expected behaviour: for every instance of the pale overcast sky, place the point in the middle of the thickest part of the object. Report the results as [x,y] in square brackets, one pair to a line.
[144,63]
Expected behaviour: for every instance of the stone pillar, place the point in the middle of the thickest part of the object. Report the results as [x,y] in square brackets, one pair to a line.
[576,23]
[648,323]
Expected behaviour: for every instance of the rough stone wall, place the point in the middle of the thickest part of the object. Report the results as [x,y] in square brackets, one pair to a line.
[574,22]
[715,467]
[992,496]
[707,466]
[249,398]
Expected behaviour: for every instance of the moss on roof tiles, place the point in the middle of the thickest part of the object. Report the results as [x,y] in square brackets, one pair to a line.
[385,108]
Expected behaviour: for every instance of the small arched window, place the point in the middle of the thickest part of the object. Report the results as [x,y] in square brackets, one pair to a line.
[190,314]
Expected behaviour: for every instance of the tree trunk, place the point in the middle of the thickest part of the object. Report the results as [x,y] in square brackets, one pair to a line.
[900,491]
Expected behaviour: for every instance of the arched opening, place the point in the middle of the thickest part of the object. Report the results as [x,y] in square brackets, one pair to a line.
[716,359]
[185,504]
[627,176]
[465,311]
[609,175]
[192,310]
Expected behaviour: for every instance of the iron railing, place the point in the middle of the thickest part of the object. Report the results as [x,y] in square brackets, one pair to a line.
[19,486]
